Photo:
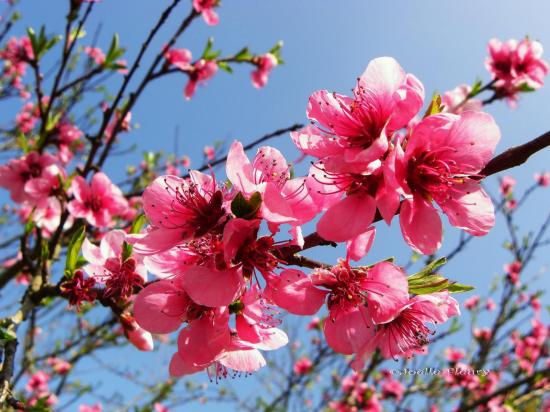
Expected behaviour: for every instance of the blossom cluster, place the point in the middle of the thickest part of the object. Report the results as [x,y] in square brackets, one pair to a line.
[222,272]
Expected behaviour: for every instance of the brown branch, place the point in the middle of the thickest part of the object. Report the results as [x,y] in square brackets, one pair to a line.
[516,156]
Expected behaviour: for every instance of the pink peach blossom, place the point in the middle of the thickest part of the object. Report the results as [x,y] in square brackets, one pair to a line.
[201,71]
[179,58]
[17,173]
[456,101]
[206,8]
[98,202]
[442,159]
[264,66]
[385,100]
[356,298]
[284,200]
[514,65]
[407,333]
[179,210]
[107,265]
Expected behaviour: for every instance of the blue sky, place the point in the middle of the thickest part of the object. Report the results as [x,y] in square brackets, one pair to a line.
[326,45]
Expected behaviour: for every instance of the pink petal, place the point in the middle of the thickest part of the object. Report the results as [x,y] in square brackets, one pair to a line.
[470,209]
[313,142]
[388,291]
[421,225]
[180,368]
[347,219]
[243,360]
[359,246]
[239,170]
[333,112]
[92,253]
[203,340]
[275,208]
[347,330]
[293,291]
[160,307]
[211,287]
[156,240]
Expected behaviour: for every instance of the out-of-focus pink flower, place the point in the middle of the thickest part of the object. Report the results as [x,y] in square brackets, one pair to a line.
[200,72]
[454,355]
[180,58]
[456,101]
[185,161]
[96,54]
[543,179]
[160,407]
[482,333]
[471,302]
[392,388]
[516,65]
[441,162]
[38,382]
[206,8]
[303,366]
[315,323]
[18,174]
[490,305]
[98,202]
[507,184]
[91,408]
[59,365]
[513,270]
[209,152]
[264,66]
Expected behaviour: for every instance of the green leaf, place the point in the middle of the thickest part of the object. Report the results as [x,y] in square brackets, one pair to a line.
[114,53]
[6,335]
[225,66]
[136,228]
[525,88]
[435,106]
[73,250]
[23,143]
[276,51]
[243,55]
[246,208]
[426,281]
[138,223]
[208,53]
[476,87]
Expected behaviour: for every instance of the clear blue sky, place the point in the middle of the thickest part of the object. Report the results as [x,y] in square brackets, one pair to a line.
[327,45]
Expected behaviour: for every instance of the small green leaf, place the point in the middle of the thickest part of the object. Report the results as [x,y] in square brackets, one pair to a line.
[138,223]
[426,281]
[225,66]
[243,55]
[476,87]
[23,143]
[435,106]
[525,88]
[73,250]
[6,335]
[246,208]
[276,51]
[136,228]
[208,53]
